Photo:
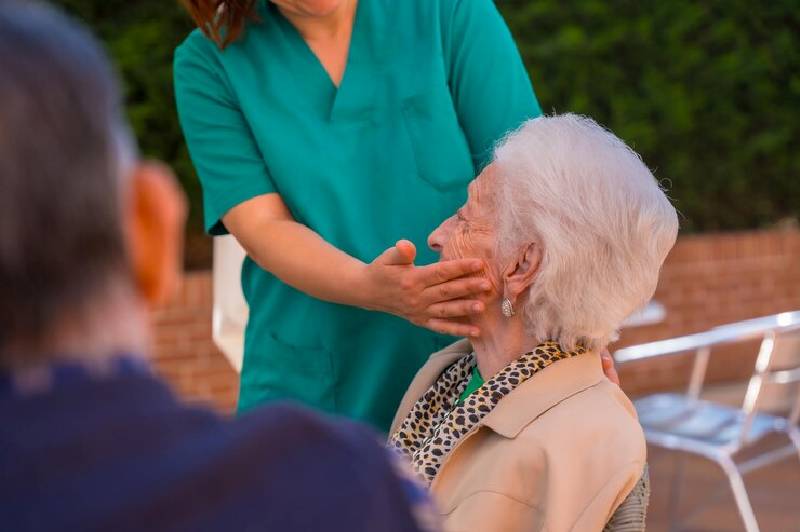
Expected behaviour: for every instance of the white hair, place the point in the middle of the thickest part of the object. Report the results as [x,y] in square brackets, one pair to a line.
[602,221]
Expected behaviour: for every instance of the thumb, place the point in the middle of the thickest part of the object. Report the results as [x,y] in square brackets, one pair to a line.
[400,254]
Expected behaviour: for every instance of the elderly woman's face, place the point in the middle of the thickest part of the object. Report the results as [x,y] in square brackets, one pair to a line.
[469,233]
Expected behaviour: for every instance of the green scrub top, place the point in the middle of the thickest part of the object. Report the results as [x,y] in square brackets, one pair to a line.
[430,86]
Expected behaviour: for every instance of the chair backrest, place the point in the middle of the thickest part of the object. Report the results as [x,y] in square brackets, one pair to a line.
[700,344]
[776,374]
[787,369]
[777,364]
[230,310]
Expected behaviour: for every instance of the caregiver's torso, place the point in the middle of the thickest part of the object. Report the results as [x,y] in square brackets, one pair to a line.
[381,158]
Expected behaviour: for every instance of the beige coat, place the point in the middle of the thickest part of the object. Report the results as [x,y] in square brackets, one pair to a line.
[559,453]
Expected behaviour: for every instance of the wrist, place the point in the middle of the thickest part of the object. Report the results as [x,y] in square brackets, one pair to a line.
[358,286]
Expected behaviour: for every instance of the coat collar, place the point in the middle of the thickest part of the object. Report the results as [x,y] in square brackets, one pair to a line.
[426,376]
[525,403]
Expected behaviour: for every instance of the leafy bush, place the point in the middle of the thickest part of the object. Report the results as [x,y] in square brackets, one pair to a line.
[707,92]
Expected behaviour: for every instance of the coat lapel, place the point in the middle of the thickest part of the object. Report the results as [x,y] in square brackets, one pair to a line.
[542,392]
[521,407]
[426,376]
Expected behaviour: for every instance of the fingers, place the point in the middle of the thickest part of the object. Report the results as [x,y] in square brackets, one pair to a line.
[441,272]
[452,328]
[459,289]
[407,250]
[402,253]
[456,309]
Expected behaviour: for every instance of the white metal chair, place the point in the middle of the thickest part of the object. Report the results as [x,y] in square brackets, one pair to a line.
[686,423]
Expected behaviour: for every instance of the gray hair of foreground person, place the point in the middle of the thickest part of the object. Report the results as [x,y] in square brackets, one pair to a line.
[63,150]
[604,223]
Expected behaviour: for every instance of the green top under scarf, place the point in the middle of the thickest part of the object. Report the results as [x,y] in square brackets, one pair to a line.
[475,382]
[435,424]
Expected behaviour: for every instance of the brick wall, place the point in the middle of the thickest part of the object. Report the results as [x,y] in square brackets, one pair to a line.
[184,352]
[707,280]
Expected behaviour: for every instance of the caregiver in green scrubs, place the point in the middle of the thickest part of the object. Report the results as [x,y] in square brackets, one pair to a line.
[324,132]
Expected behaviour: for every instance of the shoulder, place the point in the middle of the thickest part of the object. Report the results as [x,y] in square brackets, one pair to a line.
[451,15]
[591,442]
[196,63]
[196,46]
[597,421]
[337,467]
[456,13]
[450,7]
[327,449]
[585,453]
[302,431]
[593,431]
[198,69]
[199,60]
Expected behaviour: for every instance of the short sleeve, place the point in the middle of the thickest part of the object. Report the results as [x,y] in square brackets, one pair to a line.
[221,144]
[490,87]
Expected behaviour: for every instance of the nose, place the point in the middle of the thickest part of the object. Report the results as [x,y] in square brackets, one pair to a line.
[438,236]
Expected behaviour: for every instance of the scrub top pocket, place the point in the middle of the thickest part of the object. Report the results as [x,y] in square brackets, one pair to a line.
[440,149]
[303,374]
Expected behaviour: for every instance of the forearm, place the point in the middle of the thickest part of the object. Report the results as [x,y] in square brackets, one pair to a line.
[426,296]
[301,258]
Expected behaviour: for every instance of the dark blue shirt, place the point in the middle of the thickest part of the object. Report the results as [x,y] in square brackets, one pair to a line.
[110,448]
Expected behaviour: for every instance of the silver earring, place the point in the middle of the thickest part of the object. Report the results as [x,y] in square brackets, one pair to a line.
[508,309]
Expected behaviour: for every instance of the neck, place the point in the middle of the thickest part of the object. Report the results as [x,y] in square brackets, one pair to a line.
[117,324]
[335,25]
[502,341]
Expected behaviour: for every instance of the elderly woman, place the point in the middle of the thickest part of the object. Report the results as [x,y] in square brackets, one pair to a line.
[519,429]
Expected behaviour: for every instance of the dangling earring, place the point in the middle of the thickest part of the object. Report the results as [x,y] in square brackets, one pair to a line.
[508,309]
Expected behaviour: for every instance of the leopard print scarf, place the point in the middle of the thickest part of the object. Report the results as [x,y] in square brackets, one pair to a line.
[436,422]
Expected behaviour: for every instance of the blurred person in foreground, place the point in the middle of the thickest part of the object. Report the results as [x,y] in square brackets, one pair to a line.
[89,439]
[519,430]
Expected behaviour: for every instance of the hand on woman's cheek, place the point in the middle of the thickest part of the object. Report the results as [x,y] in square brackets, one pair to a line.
[470,232]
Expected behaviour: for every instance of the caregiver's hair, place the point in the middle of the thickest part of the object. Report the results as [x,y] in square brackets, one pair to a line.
[222,21]
[63,147]
[604,224]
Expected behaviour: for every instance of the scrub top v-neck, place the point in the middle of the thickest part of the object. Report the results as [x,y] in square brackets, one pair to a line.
[429,87]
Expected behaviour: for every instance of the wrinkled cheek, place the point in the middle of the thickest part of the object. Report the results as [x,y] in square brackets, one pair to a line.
[461,246]
[458,247]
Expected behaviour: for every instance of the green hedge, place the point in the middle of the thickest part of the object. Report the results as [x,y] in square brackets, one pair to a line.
[707,92]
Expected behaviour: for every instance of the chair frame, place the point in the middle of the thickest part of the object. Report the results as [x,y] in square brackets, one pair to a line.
[765,329]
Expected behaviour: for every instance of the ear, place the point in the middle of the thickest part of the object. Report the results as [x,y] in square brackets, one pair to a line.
[154,217]
[521,273]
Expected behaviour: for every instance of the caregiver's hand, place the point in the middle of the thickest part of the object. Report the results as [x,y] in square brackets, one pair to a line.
[432,296]
[609,369]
